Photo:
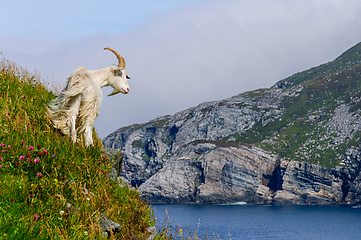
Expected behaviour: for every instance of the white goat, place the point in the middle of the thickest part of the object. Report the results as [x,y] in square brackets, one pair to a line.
[80,100]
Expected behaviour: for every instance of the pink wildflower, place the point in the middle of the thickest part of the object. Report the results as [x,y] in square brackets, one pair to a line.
[22,96]
[22,142]
[45,152]
[7,165]
[1,159]
[21,158]
[2,145]
[38,175]
[1,166]
[31,148]
[9,146]
[36,217]
[7,116]
[36,160]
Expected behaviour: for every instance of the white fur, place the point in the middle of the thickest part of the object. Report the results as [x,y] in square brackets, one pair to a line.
[80,100]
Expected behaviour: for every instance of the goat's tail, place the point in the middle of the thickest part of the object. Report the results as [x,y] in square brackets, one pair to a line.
[59,114]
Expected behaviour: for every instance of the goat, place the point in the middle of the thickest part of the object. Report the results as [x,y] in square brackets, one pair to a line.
[80,100]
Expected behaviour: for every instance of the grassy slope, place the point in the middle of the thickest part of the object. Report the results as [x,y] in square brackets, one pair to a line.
[34,206]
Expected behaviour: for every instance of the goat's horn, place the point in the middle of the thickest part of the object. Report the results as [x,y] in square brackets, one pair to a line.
[120,58]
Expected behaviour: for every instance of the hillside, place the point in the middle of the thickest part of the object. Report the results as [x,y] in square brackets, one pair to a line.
[305,125]
[51,188]
[346,60]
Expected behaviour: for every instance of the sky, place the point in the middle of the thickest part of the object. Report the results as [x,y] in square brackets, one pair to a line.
[179,53]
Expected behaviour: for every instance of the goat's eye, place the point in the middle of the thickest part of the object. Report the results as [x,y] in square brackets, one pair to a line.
[118,73]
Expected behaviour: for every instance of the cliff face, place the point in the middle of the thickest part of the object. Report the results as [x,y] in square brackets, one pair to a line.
[209,173]
[297,142]
[149,146]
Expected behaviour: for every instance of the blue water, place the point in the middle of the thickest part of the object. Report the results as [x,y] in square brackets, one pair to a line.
[264,222]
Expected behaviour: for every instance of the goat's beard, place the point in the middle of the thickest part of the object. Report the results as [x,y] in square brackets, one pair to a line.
[115,91]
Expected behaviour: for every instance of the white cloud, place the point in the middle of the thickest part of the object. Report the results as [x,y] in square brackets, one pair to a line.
[206,51]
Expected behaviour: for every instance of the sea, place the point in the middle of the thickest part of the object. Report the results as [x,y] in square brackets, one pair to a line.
[242,221]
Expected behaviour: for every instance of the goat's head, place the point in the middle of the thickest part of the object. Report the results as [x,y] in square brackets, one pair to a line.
[118,77]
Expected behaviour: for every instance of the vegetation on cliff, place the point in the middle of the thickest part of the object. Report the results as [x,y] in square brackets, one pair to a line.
[322,123]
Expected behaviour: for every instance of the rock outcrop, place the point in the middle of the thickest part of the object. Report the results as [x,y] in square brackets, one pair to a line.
[210,173]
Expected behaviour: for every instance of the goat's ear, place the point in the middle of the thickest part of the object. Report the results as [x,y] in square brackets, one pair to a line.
[128,76]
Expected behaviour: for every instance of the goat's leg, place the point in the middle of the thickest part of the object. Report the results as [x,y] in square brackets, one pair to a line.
[89,122]
[73,112]
[88,135]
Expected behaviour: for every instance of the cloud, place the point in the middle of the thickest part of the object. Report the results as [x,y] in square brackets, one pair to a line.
[68,19]
[206,51]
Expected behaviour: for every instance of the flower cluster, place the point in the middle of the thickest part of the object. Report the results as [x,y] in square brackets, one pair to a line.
[30,158]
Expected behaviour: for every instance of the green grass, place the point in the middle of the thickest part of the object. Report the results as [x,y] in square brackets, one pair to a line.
[42,171]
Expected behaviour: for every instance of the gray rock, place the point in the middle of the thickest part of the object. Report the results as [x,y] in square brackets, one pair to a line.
[305,183]
[108,226]
[116,158]
[210,173]
[285,197]
[168,163]
[153,231]
[147,147]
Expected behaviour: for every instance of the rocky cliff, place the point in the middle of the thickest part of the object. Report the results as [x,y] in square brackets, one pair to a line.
[296,142]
